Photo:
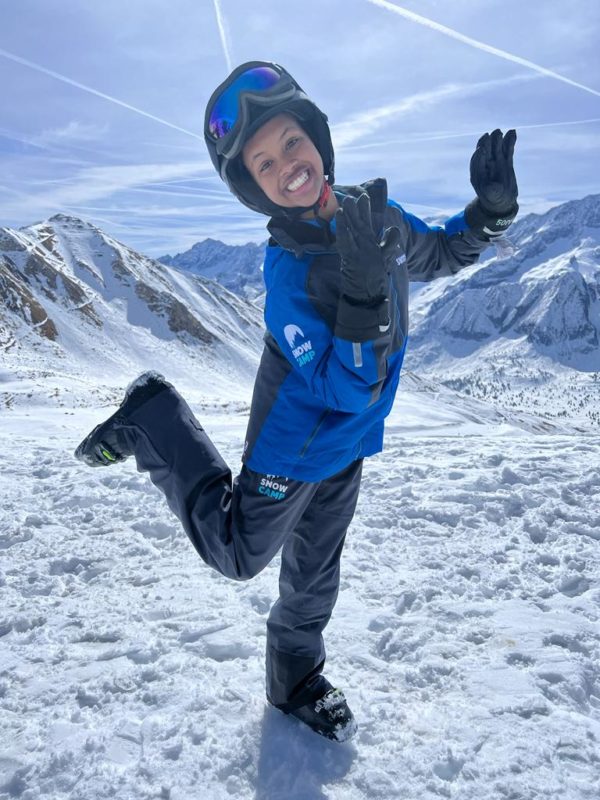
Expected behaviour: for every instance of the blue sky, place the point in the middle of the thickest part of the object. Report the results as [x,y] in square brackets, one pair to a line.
[103,103]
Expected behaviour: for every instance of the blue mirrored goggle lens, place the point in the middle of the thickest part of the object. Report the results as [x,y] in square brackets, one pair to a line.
[225,111]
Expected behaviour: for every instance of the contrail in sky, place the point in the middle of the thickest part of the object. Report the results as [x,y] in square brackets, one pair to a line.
[436,26]
[431,137]
[221,26]
[39,68]
[369,120]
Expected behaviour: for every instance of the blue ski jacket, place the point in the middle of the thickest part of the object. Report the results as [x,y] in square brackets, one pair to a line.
[328,376]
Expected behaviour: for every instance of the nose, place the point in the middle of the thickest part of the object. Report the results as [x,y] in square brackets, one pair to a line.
[289,166]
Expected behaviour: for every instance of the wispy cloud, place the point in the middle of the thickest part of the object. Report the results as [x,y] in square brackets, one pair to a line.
[432,137]
[367,122]
[151,212]
[74,131]
[223,33]
[29,141]
[478,45]
[94,183]
[182,191]
[64,79]
[204,194]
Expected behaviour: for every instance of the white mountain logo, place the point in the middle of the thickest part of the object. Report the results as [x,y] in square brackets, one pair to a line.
[290,332]
[303,352]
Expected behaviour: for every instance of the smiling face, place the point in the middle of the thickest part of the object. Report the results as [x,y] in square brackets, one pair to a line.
[284,162]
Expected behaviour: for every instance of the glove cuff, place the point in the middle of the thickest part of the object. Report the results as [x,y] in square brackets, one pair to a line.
[486,222]
[361,322]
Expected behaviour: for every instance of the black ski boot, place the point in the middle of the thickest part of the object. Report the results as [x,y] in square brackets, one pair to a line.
[328,716]
[109,443]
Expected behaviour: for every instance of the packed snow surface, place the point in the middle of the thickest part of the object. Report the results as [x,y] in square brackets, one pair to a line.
[465,637]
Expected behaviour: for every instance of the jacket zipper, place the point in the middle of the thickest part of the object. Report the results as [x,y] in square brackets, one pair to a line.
[314,431]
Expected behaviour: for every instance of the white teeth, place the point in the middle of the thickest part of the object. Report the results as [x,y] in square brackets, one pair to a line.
[300,181]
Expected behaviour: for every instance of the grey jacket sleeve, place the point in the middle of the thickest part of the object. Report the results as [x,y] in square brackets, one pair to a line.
[435,252]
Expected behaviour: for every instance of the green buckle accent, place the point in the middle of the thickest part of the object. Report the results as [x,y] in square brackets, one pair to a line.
[107,454]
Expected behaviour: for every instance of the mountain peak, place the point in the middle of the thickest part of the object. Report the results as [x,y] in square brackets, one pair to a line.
[68,220]
[236,267]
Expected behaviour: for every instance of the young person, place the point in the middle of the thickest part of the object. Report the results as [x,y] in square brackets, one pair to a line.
[336,270]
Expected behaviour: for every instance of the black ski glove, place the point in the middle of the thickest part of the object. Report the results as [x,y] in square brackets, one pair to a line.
[364,258]
[494,181]
[363,310]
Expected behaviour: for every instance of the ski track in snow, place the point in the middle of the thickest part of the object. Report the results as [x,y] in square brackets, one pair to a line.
[465,636]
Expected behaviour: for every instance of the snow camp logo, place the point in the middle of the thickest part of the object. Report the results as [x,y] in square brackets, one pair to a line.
[273,486]
[303,351]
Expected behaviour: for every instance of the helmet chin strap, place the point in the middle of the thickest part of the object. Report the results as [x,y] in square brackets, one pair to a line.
[323,198]
[325,224]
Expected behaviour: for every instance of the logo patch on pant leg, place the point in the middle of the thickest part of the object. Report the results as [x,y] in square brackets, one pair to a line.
[274,486]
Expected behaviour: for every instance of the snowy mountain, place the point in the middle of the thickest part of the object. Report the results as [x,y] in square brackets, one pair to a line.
[520,331]
[524,329]
[237,267]
[75,301]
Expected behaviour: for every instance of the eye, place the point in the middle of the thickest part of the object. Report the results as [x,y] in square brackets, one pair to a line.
[264,165]
[293,141]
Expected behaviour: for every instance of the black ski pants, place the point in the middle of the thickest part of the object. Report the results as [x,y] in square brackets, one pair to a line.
[238,526]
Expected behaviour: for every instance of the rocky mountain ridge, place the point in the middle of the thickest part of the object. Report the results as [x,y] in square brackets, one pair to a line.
[524,329]
[74,298]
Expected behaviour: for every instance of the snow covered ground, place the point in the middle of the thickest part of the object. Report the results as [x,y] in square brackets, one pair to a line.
[465,637]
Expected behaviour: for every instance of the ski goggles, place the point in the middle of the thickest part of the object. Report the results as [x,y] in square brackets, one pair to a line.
[230,116]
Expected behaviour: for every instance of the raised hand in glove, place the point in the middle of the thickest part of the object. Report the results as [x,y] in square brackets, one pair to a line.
[493,178]
[365,259]
[363,310]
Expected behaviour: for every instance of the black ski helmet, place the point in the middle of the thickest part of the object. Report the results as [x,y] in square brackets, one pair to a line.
[254,93]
